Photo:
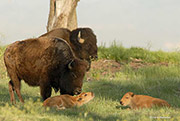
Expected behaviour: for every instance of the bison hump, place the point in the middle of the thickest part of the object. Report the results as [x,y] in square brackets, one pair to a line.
[59,51]
[62,47]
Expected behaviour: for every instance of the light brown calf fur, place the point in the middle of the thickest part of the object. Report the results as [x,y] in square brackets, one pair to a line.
[142,101]
[68,101]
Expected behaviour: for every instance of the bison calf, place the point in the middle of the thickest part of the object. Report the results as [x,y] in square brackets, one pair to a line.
[68,101]
[44,62]
[141,101]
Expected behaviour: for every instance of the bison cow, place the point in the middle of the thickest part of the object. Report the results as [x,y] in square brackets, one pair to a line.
[82,41]
[45,62]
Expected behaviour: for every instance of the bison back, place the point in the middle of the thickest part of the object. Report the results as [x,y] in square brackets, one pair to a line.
[59,33]
[33,59]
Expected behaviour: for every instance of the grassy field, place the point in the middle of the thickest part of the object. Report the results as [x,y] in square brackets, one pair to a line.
[153,79]
[119,53]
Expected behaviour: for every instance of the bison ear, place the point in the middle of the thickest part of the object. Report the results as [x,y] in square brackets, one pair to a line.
[81,40]
[70,65]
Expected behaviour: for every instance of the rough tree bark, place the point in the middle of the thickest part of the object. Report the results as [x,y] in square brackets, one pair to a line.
[62,14]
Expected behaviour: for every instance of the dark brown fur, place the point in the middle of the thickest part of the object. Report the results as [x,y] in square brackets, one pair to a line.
[45,63]
[86,50]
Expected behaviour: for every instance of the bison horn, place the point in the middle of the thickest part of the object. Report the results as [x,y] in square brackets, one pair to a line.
[81,40]
[79,34]
[70,65]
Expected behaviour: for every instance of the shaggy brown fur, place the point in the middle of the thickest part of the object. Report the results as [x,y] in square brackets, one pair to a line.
[44,62]
[142,101]
[68,101]
[82,41]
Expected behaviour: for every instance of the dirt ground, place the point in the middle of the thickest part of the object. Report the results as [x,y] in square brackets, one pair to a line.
[106,67]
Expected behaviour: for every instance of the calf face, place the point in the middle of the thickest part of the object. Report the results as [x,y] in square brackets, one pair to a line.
[126,99]
[84,97]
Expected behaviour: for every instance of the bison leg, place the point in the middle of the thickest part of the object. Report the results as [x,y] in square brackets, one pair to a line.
[15,84]
[11,92]
[19,95]
[46,90]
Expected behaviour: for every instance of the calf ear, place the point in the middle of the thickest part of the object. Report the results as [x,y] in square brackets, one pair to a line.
[71,64]
[132,94]
[81,40]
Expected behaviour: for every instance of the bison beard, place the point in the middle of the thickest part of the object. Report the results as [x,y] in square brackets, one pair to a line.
[44,62]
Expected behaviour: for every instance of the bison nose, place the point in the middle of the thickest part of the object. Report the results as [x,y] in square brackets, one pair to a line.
[121,102]
[96,57]
[77,91]
[93,57]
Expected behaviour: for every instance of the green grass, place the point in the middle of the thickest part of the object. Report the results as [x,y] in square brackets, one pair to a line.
[121,54]
[2,67]
[157,81]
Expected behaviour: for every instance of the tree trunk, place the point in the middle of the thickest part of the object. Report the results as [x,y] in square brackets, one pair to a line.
[62,14]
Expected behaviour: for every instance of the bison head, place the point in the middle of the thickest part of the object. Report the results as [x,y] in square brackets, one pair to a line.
[73,78]
[84,42]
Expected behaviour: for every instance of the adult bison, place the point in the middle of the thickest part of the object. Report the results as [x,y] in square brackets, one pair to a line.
[82,41]
[44,62]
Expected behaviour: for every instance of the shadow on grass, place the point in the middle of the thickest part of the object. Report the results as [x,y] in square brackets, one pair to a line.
[81,113]
[5,97]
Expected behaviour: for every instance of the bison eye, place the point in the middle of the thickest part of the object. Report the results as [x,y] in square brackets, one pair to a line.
[74,75]
[85,95]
